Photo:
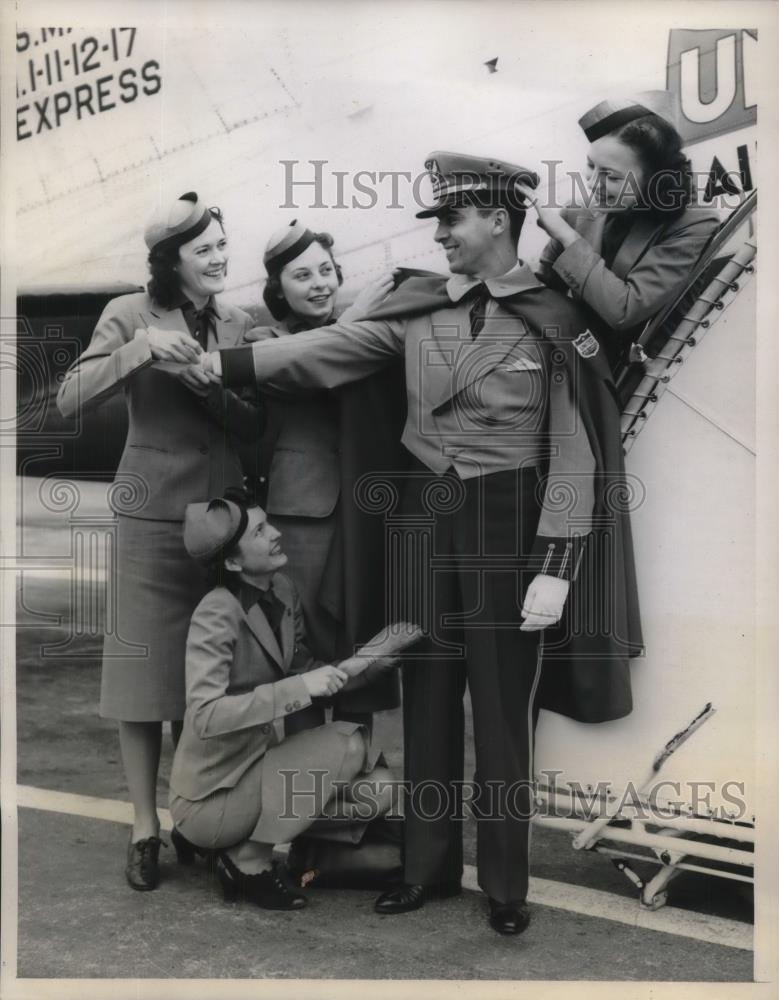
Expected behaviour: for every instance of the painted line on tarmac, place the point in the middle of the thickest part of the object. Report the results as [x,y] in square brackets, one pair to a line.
[113,810]
[622,909]
[544,892]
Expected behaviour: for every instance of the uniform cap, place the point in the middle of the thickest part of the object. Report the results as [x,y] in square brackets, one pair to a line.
[456,174]
[285,245]
[663,103]
[213,527]
[177,222]
[609,115]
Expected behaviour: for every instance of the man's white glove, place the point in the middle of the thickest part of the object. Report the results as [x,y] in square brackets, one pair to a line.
[544,602]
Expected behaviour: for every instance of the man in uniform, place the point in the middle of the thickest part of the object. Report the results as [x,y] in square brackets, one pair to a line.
[514,442]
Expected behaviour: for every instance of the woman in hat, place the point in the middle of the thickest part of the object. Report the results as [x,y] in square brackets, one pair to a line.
[630,252]
[310,448]
[180,448]
[240,783]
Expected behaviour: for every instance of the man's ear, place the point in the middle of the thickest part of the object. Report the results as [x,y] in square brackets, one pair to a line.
[233,565]
[500,221]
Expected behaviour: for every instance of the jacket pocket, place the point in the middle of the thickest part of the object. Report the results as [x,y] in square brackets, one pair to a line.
[303,483]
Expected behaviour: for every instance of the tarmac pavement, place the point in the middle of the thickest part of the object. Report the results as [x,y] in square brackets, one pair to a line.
[77,918]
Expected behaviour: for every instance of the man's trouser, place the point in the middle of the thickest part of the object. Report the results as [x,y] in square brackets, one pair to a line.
[464,571]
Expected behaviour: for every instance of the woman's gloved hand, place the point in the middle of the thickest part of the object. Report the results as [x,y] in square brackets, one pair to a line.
[369,298]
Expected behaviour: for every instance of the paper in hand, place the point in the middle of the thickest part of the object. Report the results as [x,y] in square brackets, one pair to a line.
[391,640]
[386,644]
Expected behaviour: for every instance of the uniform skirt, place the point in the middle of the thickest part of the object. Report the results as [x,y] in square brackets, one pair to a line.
[278,797]
[153,590]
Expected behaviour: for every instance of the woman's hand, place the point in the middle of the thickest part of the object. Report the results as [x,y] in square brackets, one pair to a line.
[197,380]
[369,298]
[544,602]
[324,681]
[211,364]
[549,219]
[172,345]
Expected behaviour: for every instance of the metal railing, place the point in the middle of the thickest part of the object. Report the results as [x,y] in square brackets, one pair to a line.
[704,312]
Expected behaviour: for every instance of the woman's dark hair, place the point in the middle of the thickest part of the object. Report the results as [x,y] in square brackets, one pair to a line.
[164,286]
[217,574]
[272,294]
[668,183]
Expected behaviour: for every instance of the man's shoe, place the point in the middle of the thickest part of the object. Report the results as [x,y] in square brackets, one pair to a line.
[509,918]
[142,869]
[269,889]
[406,897]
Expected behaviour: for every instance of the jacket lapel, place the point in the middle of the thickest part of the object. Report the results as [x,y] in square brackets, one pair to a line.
[258,623]
[590,226]
[287,635]
[641,235]
[228,329]
[283,592]
[473,360]
[166,319]
[438,354]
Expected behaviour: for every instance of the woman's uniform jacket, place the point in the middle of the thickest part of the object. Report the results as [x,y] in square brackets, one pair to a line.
[178,447]
[649,269]
[299,449]
[241,686]
[313,451]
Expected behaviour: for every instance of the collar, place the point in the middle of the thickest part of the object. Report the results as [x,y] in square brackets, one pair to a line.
[183,303]
[519,279]
[249,595]
[294,324]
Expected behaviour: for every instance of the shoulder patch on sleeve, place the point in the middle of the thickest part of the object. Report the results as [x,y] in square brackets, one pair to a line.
[586,345]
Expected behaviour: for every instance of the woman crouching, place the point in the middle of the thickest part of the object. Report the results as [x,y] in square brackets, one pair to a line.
[238,786]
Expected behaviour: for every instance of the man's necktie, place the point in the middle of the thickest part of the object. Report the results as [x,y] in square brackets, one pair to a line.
[478,310]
